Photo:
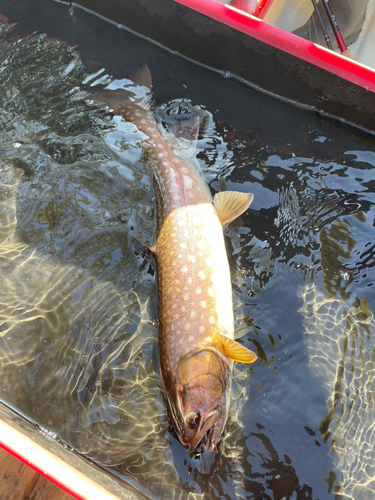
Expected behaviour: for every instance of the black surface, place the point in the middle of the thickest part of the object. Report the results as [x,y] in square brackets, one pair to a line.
[221,47]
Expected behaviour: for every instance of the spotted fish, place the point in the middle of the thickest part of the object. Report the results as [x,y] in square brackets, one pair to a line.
[196,340]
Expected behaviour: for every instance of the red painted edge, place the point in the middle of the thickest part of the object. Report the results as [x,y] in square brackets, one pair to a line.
[257,9]
[55,469]
[292,44]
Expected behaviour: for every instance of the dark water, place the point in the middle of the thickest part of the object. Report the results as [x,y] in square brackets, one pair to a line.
[78,345]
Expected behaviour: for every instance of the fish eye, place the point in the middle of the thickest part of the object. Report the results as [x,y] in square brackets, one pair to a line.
[194,419]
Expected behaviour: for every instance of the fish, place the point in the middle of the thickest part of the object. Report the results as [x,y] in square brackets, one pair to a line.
[195,310]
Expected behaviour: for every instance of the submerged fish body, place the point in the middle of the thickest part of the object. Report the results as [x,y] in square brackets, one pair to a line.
[196,340]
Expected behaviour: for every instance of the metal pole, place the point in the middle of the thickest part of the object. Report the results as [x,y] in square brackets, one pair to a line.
[326,36]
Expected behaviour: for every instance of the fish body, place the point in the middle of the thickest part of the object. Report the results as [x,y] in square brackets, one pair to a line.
[196,339]
[194,296]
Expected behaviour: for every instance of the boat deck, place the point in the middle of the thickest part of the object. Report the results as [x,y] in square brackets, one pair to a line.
[20,482]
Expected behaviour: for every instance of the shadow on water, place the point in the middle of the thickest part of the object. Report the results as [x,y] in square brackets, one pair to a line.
[78,344]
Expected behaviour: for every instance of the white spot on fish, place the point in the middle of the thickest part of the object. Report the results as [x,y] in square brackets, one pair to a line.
[184,269]
[198,290]
[188,182]
[201,329]
[190,280]
[201,275]
[211,320]
[183,245]
[179,256]
[186,297]
[160,155]
[203,304]
[209,262]
[186,234]
[210,292]
[181,222]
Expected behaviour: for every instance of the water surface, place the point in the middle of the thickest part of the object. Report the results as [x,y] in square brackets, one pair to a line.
[78,345]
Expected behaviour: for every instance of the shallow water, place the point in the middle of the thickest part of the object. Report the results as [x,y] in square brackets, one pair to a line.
[78,345]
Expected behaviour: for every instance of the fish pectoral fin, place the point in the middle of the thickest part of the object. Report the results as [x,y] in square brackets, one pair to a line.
[231,204]
[235,351]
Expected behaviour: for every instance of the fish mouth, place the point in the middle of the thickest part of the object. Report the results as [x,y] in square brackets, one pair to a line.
[203,440]
[203,445]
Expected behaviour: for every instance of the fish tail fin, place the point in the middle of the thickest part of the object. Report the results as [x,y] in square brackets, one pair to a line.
[142,77]
[117,100]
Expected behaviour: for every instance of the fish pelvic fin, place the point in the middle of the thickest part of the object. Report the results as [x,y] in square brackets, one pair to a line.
[233,350]
[231,204]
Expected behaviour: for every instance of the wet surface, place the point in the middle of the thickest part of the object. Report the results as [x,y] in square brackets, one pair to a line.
[78,345]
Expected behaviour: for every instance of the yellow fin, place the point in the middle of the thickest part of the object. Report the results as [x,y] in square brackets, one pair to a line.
[231,204]
[235,351]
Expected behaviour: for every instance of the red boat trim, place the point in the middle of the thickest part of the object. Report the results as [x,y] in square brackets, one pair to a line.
[276,37]
[51,467]
[259,10]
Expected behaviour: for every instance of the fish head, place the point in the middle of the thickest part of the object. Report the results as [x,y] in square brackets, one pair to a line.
[202,399]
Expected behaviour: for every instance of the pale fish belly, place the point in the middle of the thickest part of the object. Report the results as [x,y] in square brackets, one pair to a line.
[194,286]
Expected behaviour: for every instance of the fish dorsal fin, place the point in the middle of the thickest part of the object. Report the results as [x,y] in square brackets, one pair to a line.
[231,204]
[233,350]
[187,130]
